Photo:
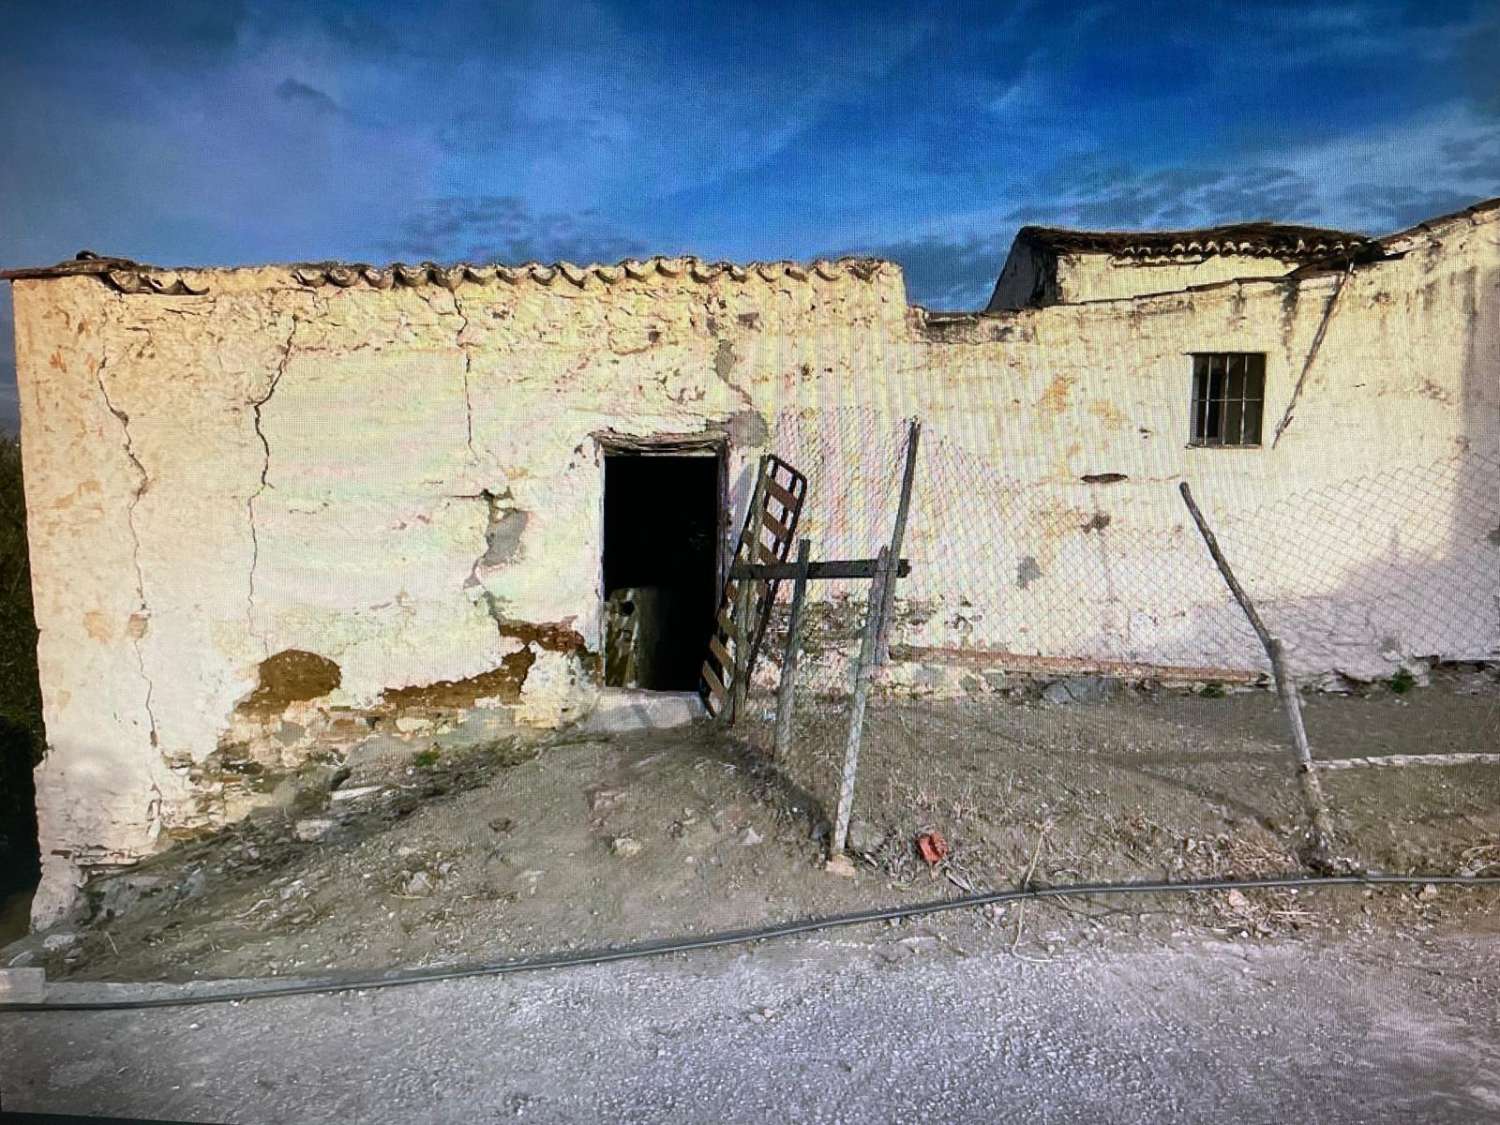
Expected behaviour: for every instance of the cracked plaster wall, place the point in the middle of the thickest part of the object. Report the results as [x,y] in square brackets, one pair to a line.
[1054,440]
[404,482]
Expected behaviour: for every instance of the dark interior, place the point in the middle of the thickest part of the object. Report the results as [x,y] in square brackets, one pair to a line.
[661,527]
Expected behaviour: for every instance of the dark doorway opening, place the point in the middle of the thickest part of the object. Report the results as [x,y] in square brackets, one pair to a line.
[661,567]
[21,735]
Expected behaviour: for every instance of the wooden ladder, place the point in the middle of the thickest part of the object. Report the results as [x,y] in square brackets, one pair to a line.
[769,531]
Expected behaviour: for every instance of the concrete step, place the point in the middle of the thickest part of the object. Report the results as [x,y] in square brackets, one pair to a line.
[625,709]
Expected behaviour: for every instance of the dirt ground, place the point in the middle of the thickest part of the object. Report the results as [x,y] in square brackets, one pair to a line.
[574,841]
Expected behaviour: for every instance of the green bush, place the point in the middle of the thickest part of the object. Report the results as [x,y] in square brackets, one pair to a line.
[1402,682]
[22,740]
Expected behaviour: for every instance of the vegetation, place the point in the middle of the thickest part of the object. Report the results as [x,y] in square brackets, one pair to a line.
[22,740]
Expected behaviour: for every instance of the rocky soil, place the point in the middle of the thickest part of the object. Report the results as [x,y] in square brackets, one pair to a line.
[426,856]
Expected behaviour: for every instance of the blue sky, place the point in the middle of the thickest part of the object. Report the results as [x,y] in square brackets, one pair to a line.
[226,132]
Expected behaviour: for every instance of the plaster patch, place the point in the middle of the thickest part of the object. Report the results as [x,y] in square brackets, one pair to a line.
[503,535]
[724,359]
[1027,572]
[96,624]
[1055,398]
[748,429]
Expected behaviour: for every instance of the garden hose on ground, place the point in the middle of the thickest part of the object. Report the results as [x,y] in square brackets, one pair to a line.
[392,978]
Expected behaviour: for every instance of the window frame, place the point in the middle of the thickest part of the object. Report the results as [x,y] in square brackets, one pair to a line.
[1215,406]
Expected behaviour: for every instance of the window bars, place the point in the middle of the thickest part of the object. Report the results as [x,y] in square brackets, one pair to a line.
[1228,397]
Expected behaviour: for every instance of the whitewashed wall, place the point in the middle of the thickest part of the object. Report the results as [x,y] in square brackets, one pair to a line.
[213,480]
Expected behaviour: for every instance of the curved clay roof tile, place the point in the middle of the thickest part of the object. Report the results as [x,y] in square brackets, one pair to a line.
[126,281]
[127,276]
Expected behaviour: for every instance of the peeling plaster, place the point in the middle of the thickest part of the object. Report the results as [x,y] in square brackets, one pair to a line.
[1027,572]
[391,559]
[724,364]
[290,676]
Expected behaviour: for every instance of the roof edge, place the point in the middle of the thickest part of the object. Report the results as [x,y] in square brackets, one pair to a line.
[1259,239]
[129,276]
[1485,207]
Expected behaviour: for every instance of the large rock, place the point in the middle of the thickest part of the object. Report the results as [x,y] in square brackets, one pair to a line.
[1080,689]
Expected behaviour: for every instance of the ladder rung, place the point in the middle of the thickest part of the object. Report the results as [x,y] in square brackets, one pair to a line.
[715,685]
[788,501]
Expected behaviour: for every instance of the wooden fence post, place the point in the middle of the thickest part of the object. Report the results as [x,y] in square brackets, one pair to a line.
[785,695]
[1312,790]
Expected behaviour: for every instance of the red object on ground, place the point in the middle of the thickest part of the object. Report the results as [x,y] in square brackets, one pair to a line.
[933,847]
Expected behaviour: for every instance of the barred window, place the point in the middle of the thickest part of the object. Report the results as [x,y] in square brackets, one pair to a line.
[1228,392]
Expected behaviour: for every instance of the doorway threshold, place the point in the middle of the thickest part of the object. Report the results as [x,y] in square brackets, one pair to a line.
[626,709]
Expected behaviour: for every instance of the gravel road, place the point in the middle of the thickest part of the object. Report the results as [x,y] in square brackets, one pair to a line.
[897,1025]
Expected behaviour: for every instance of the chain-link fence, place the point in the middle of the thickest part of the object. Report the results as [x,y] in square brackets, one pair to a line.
[1053,592]
[854,472]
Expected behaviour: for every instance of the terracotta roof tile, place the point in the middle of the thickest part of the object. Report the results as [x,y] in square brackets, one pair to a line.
[136,277]
[1261,240]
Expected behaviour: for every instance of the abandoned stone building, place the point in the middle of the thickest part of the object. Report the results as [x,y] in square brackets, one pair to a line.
[274,509]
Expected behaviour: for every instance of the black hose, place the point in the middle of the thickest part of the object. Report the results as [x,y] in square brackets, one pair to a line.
[393,978]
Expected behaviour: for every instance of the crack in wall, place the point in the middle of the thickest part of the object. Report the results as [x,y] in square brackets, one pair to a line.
[265,472]
[468,368]
[138,621]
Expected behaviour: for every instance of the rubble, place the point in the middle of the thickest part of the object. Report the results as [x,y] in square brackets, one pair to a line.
[625,846]
[314,828]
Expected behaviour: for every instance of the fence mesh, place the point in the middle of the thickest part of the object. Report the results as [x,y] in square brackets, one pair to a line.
[1015,581]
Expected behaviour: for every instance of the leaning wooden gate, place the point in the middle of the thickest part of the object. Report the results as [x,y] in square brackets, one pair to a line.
[745,608]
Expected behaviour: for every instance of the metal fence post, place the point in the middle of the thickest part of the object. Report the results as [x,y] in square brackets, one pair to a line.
[863,672]
[898,534]
[785,696]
